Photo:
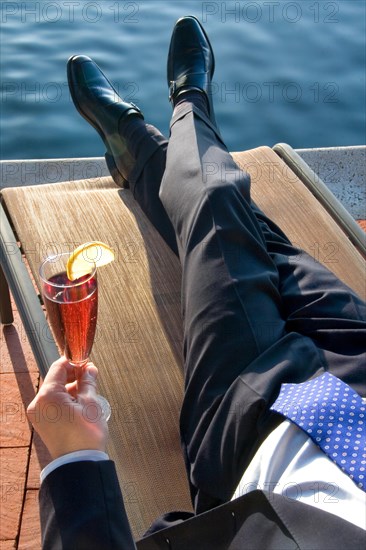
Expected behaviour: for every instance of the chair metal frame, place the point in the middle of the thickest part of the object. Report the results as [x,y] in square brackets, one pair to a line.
[14,276]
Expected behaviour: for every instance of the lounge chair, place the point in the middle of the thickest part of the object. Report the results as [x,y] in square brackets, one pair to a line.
[139,337]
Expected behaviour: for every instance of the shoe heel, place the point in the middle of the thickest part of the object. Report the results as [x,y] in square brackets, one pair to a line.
[116,175]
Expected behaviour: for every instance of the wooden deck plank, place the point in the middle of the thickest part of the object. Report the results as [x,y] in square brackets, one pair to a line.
[16,392]
[8,544]
[13,471]
[30,531]
[19,379]
[15,352]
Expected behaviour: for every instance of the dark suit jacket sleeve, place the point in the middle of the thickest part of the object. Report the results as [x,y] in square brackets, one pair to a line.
[81,508]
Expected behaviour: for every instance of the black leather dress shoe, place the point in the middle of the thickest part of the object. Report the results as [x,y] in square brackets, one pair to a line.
[99,103]
[191,61]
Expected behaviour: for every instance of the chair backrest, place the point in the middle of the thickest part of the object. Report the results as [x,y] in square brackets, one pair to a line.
[139,337]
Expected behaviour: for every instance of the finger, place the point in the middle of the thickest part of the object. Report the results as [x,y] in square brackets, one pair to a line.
[72,389]
[92,369]
[87,383]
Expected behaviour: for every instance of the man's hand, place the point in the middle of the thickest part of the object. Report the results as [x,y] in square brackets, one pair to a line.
[66,413]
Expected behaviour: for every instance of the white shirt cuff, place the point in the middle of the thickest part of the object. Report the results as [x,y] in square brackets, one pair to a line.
[76,456]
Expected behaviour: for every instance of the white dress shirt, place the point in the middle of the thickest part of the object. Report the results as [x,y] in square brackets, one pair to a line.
[289,463]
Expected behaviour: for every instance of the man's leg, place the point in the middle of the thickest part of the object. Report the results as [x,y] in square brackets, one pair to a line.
[236,348]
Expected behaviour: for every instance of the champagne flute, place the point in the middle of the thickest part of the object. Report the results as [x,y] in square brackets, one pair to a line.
[72,308]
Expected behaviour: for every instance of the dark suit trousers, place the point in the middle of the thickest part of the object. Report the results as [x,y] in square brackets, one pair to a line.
[256,310]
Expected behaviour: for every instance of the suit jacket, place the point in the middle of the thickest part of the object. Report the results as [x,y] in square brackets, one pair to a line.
[82,509]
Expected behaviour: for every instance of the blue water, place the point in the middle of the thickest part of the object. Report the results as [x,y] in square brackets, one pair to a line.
[285,71]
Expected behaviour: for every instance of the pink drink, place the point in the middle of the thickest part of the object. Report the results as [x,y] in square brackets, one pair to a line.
[72,313]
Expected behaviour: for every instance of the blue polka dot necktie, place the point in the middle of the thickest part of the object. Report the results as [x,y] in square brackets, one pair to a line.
[333,415]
